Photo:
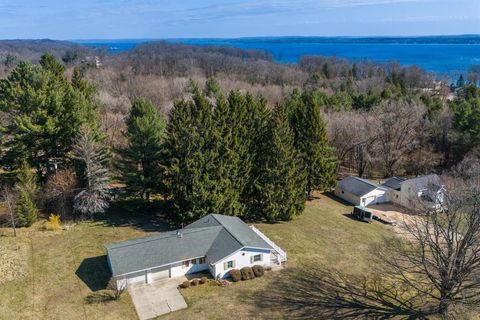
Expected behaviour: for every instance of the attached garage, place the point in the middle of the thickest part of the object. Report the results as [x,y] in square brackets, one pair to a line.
[362,192]
[137,278]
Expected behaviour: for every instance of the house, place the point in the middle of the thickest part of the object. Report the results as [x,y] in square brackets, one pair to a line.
[359,191]
[214,243]
[416,193]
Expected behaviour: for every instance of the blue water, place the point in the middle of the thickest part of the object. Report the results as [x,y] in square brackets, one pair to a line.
[441,55]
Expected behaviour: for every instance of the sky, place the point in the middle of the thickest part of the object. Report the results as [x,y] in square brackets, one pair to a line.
[156,19]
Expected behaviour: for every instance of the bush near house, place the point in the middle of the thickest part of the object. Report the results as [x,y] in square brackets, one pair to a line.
[185,284]
[203,280]
[195,282]
[247,273]
[258,270]
[235,274]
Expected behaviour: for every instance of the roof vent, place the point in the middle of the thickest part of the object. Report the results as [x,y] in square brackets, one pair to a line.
[179,234]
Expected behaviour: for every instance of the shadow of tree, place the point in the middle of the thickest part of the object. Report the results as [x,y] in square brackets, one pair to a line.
[316,293]
[94,272]
[149,217]
[99,297]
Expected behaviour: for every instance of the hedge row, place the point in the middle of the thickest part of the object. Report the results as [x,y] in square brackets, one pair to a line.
[246,273]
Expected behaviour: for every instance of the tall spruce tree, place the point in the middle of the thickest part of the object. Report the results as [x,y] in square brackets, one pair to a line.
[190,161]
[139,162]
[46,112]
[278,181]
[311,140]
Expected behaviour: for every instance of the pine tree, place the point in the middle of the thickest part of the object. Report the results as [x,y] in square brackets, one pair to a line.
[139,163]
[278,183]
[92,158]
[46,112]
[311,140]
[191,170]
[212,88]
[27,180]
[26,213]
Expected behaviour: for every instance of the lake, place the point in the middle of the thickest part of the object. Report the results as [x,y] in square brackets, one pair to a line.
[449,55]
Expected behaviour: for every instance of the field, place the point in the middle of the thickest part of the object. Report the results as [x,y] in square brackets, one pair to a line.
[62,268]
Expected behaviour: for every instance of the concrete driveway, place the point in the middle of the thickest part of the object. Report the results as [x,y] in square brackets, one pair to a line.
[157,298]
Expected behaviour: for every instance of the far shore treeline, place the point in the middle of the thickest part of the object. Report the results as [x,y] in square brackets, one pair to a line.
[211,130]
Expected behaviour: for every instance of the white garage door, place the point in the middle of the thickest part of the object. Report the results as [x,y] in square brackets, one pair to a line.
[160,273]
[136,278]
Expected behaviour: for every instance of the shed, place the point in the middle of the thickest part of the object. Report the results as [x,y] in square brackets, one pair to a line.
[359,191]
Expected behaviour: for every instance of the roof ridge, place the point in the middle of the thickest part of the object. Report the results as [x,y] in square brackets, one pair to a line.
[153,238]
[213,215]
[366,181]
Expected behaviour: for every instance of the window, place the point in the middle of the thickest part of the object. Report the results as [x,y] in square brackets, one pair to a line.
[201,260]
[194,261]
[256,258]
[186,264]
[229,264]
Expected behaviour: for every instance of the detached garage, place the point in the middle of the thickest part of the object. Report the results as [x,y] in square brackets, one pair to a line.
[362,192]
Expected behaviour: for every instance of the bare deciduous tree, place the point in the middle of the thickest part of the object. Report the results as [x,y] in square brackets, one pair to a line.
[397,126]
[442,260]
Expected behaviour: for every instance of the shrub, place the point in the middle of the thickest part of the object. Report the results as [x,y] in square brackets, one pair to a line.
[235,274]
[195,282]
[53,223]
[203,280]
[185,284]
[258,270]
[247,273]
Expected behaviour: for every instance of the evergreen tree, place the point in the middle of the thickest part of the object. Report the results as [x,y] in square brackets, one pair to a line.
[191,164]
[460,81]
[46,112]
[278,181]
[139,163]
[311,140]
[26,213]
[92,157]
[212,88]
[27,180]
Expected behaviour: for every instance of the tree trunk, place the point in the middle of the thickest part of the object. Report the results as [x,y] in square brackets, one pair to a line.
[444,307]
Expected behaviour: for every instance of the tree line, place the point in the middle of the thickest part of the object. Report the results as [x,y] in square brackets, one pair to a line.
[225,154]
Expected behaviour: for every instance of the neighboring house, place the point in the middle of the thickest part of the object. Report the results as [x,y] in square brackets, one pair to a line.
[216,243]
[362,192]
[417,193]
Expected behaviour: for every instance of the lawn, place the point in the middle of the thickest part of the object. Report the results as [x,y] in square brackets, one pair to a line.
[63,268]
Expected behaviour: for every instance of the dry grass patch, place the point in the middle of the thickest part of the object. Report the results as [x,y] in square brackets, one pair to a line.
[13,260]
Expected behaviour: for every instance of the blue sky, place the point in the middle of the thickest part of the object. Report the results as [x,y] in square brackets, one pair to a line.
[110,19]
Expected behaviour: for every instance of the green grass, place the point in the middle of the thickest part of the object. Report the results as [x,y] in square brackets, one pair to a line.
[65,267]
[321,235]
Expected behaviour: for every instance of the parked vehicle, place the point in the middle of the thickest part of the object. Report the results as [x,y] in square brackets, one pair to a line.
[363,214]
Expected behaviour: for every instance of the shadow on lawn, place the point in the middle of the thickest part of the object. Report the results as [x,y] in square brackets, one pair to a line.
[94,272]
[314,293]
[149,217]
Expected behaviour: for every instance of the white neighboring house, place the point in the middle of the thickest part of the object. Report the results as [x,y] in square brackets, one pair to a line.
[216,243]
[362,192]
[416,193]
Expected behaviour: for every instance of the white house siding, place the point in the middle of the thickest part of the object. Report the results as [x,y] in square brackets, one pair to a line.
[347,196]
[242,259]
[178,269]
[374,197]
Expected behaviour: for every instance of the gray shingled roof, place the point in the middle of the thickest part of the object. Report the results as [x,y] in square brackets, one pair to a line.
[214,236]
[358,186]
[393,183]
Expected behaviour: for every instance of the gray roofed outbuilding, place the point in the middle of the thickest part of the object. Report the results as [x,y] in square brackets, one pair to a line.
[358,186]
[393,183]
[214,236]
